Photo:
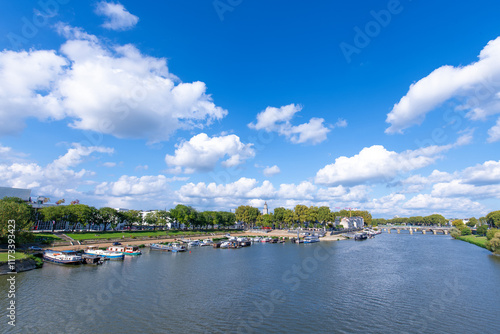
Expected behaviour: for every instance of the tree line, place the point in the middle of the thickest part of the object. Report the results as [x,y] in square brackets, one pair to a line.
[25,217]
[299,216]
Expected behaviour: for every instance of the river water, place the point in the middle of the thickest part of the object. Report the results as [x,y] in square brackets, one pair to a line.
[395,283]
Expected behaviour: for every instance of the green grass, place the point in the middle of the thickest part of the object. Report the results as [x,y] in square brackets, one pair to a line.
[135,234]
[475,240]
[4,256]
[45,236]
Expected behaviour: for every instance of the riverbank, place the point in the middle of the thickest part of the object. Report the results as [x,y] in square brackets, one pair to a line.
[273,233]
[473,239]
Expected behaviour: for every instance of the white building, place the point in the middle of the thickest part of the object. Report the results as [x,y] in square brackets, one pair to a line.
[352,222]
[266,209]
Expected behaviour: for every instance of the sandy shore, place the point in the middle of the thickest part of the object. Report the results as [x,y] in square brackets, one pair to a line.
[274,233]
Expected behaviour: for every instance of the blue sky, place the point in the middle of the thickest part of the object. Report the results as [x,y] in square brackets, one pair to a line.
[387,106]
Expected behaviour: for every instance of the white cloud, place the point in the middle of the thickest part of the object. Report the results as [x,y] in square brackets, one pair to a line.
[429,203]
[278,120]
[341,123]
[56,178]
[304,190]
[376,164]
[271,171]
[118,17]
[494,132]
[141,167]
[27,79]
[487,173]
[201,153]
[133,186]
[477,85]
[480,181]
[113,90]
[109,164]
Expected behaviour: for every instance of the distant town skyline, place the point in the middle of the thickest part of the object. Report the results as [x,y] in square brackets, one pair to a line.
[362,105]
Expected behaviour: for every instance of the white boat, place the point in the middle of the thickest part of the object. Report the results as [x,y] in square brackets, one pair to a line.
[311,239]
[160,247]
[206,242]
[176,247]
[107,254]
[194,243]
[257,239]
[242,239]
[225,244]
[268,239]
[125,250]
[62,257]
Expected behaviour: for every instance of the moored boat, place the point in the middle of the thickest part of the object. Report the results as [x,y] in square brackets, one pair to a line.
[107,254]
[361,236]
[176,248]
[311,239]
[125,250]
[62,257]
[206,242]
[92,259]
[160,247]
[194,243]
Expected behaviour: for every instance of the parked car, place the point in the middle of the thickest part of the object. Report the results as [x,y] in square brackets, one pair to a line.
[116,244]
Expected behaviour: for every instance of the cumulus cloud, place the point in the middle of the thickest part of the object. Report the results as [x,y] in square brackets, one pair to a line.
[118,17]
[271,171]
[450,205]
[111,89]
[377,164]
[201,153]
[494,132]
[56,178]
[477,86]
[278,120]
[133,185]
[480,181]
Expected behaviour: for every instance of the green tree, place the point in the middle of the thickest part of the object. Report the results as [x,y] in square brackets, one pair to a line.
[247,214]
[493,218]
[131,217]
[53,214]
[323,215]
[14,209]
[464,230]
[458,223]
[481,230]
[302,213]
[78,214]
[108,216]
[290,218]
[279,216]
[472,222]
[455,232]
[435,219]
[493,243]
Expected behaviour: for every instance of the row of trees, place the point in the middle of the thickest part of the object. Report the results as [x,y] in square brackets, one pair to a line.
[301,215]
[181,214]
[492,219]
[25,216]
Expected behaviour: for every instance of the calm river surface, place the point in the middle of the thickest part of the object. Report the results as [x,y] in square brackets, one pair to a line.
[390,284]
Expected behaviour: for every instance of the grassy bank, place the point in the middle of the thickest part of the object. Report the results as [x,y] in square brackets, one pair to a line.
[4,256]
[46,237]
[473,239]
[135,234]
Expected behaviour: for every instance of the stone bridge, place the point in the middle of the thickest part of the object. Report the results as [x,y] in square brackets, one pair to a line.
[416,229]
